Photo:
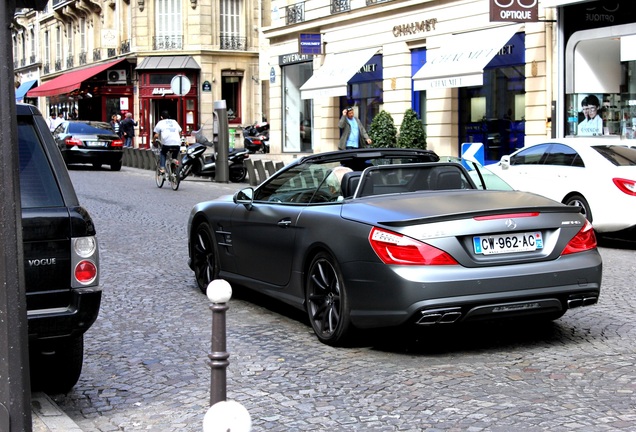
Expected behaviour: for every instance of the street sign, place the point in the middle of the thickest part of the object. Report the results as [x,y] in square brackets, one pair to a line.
[180,85]
[472,152]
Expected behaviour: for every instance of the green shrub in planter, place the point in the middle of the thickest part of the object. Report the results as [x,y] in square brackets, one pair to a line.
[412,133]
[382,131]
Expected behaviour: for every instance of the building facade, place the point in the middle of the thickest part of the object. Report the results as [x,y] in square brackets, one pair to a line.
[470,78]
[492,87]
[90,59]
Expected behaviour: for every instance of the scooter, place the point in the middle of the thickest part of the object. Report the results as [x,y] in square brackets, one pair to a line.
[195,161]
[256,137]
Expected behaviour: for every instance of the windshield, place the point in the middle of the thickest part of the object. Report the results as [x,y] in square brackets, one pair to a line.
[477,172]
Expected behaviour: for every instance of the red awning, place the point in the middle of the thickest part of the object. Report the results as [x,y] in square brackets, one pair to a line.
[68,82]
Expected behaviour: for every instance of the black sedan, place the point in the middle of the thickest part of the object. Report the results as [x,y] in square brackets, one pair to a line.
[89,142]
[384,237]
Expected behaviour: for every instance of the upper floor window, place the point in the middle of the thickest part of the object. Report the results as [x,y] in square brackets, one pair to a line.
[33,49]
[69,36]
[47,47]
[58,43]
[340,6]
[23,46]
[82,30]
[168,25]
[15,48]
[169,18]
[295,13]
[231,17]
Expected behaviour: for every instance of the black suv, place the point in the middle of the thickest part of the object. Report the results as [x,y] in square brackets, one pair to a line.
[61,258]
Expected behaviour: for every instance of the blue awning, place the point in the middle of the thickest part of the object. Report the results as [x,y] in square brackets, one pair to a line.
[23,89]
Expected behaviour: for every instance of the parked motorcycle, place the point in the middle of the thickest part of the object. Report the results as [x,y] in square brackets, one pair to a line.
[196,161]
[256,137]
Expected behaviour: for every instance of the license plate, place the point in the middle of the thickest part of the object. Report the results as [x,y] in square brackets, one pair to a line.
[97,143]
[508,243]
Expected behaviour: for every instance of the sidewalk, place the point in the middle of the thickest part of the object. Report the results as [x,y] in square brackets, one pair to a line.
[47,417]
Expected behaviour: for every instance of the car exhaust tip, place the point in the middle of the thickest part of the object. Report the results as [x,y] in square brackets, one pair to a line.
[439,316]
[582,300]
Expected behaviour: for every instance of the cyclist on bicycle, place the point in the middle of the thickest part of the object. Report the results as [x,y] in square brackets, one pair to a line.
[168,132]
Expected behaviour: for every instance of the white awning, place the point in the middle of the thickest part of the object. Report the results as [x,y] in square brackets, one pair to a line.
[460,62]
[334,74]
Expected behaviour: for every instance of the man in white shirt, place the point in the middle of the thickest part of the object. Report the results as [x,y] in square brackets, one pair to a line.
[54,121]
[168,133]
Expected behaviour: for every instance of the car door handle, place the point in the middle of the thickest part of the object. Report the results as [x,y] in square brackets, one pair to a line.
[284,222]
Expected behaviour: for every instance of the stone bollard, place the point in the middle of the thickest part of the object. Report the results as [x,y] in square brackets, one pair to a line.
[222,416]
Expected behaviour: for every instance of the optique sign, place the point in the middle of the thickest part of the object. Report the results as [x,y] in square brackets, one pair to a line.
[514,10]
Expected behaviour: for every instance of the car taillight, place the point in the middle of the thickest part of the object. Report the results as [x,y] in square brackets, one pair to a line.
[70,142]
[584,240]
[85,271]
[85,247]
[85,258]
[394,248]
[625,185]
[117,143]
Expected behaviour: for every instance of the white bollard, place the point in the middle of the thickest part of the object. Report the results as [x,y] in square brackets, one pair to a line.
[227,416]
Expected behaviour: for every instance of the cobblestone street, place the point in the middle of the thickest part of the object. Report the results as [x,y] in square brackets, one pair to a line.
[145,357]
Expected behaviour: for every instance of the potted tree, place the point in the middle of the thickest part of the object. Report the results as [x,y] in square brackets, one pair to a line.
[382,131]
[412,134]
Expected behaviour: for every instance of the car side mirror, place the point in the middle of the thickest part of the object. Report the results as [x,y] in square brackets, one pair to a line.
[245,197]
[505,162]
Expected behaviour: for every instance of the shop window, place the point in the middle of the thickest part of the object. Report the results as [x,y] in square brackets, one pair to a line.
[231,93]
[367,97]
[365,91]
[494,114]
[418,98]
[605,114]
[297,113]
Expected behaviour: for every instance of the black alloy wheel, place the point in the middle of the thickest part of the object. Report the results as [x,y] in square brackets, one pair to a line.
[326,300]
[205,262]
[578,200]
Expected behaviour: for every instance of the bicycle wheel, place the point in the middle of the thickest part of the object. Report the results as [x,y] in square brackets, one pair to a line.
[174,175]
[159,177]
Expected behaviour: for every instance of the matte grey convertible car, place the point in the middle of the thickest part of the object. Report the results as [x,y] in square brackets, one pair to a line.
[384,237]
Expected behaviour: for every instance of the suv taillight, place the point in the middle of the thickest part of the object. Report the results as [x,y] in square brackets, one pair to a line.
[85,272]
[85,256]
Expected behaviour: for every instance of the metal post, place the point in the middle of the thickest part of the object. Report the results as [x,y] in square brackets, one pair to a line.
[222,168]
[15,391]
[219,292]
